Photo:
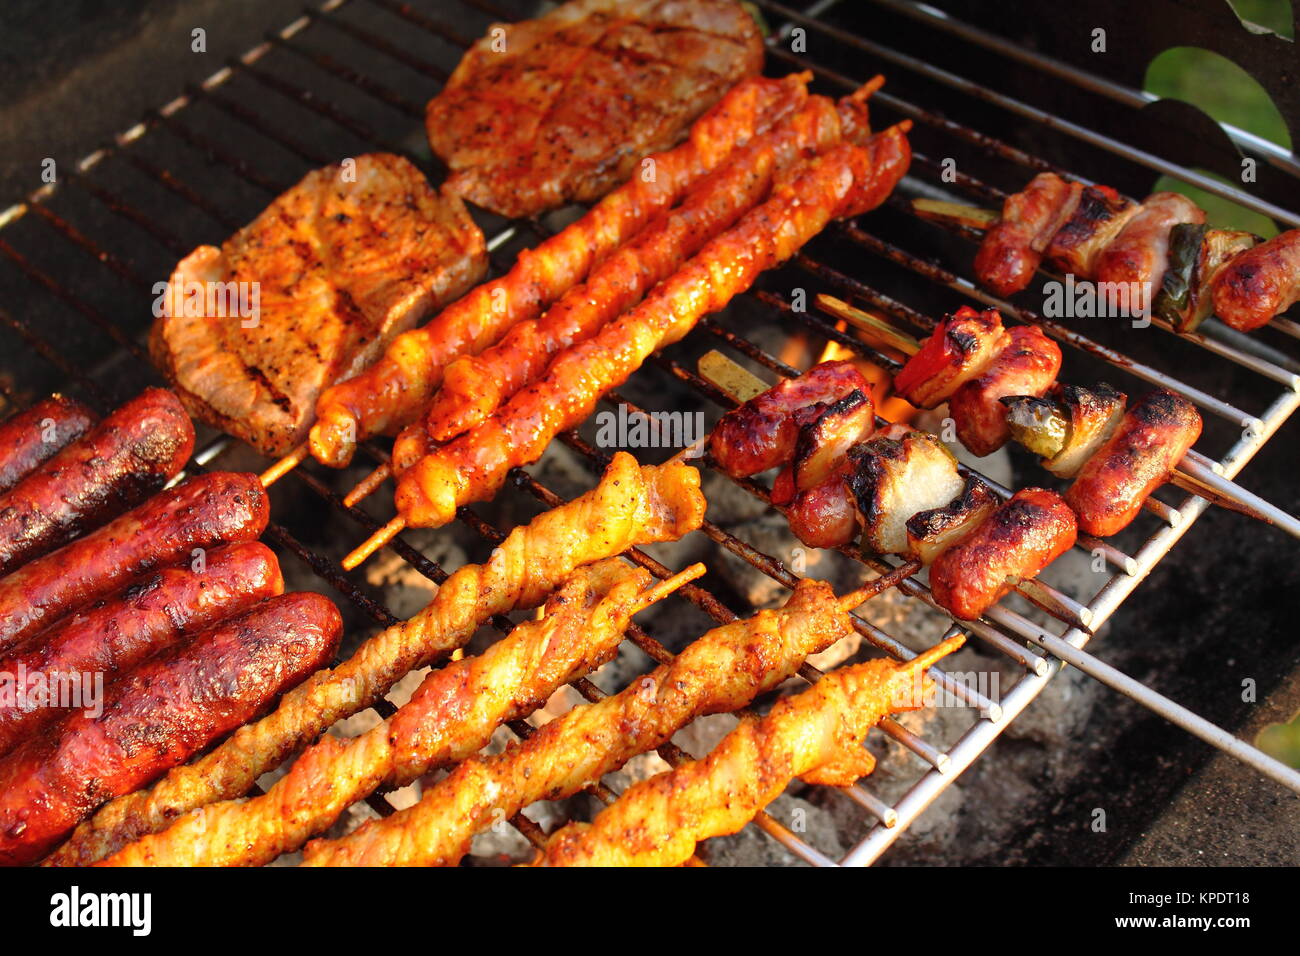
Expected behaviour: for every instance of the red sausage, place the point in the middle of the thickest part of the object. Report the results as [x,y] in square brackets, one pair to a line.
[1013,248]
[33,436]
[112,636]
[1260,283]
[1027,365]
[159,715]
[826,515]
[1138,458]
[124,459]
[202,512]
[1023,536]
[761,433]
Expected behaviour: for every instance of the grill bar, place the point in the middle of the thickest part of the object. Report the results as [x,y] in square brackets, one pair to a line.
[995,715]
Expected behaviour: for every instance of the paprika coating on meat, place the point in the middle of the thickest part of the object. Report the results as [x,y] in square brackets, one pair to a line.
[391,393]
[844,180]
[475,386]
[450,717]
[721,671]
[632,505]
[816,735]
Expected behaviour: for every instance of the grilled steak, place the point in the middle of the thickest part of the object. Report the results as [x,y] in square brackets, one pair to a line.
[336,267]
[564,107]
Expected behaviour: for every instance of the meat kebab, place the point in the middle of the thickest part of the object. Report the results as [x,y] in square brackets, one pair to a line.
[1162,245]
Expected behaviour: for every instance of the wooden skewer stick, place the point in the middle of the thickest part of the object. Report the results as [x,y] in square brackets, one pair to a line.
[367,485]
[1191,476]
[373,543]
[972,217]
[667,586]
[285,465]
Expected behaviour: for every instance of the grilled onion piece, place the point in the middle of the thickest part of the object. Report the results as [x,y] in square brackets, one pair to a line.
[894,477]
[930,533]
[1067,428]
[824,442]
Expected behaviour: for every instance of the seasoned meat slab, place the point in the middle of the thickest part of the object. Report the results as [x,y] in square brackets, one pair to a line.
[344,261]
[564,107]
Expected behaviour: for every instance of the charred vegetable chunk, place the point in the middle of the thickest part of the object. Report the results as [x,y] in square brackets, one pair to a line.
[960,349]
[930,533]
[894,477]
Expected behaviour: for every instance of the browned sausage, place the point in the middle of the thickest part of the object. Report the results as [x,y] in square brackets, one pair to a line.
[761,433]
[202,512]
[159,715]
[1140,253]
[1138,458]
[112,636]
[1260,283]
[1013,248]
[826,515]
[124,459]
[31,437]
[1023,536]
[1027,365]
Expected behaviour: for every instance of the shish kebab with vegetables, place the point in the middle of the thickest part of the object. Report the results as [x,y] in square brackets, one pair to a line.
[901,489]
[898,487]
[1000,384]
[1161,244]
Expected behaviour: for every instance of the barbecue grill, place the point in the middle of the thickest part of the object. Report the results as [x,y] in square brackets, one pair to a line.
[80,258]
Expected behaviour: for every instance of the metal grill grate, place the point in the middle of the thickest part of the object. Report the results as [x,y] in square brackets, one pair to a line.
[353,75]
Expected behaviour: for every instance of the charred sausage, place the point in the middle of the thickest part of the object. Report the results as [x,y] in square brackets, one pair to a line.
[1138,458]
[159,715]
[1012,249]
[31,437]
[205,511]
[1019,539]
[762,433]
[1259,283]
[112,636]
[124,459]
[1027,365]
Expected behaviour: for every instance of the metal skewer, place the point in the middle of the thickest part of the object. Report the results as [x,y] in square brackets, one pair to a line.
[1192,474]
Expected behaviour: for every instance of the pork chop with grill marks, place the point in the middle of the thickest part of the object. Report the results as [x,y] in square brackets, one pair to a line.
[348,258]
[564,107]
